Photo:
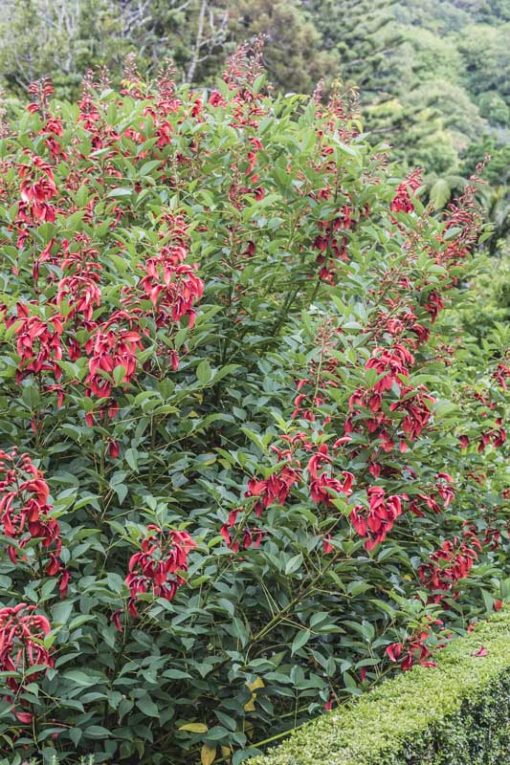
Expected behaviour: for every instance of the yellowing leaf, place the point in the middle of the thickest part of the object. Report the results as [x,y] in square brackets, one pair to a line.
[194,727]
[226,751]
[207,754]
[258,683]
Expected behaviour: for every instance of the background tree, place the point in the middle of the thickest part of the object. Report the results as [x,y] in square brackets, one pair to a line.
[57,37]
[363,36]
[296,54]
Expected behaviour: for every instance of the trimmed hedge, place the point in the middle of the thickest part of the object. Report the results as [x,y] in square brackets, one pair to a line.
[458,713]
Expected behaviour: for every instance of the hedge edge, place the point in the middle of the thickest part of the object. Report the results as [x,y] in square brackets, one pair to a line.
[456,713]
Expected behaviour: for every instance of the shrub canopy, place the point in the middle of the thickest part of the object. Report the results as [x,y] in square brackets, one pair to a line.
[246,464]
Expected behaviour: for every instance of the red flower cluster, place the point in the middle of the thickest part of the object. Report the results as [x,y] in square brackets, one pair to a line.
[268,491]
[170,286]
[22,634]
[38,342]
[52,129]
[109,347]
[156,568]
[404,322]
[502,375]
[332,244]
[41,91]
[276,488]
[377,522]
[434,304]
[402,200]
[392,365]
[416,403]
[37,188]
[413,651]
[80,287]
[444,491]
[324,486]
[449,564]
[25,513]
[251,537]
[495,436]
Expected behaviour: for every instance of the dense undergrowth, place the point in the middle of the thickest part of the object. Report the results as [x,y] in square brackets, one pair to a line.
[249,463]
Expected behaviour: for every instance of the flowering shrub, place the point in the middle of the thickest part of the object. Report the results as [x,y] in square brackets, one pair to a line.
[249,464]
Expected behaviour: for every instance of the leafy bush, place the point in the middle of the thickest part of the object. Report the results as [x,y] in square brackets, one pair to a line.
[457,713]
[245,468]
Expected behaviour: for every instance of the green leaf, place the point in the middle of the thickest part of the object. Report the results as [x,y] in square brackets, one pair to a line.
[293,564]
[120,192]
[440,193]
[301,639]
[61,612]
[78,677]
[147,706]
[97,732]
[204,372]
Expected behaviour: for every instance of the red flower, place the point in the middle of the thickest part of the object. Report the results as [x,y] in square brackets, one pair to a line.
[63,584]
[324,487]
[171,285]
[434,304]
[225,530]
[80,290]
[274,489]
[502,374]
[38,343]
[117,621]
[445,489]
[413,650]
[402,201]
[22,633]
[449,564]
[37,188]
[156,568]
[394,651]
[24,510]
[107,349]
[380,518]
[114,449]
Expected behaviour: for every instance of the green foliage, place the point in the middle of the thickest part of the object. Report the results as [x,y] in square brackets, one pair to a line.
[234,416]
[63,39]
[487,59]
[295,57]
[223,350]
[456,713]
[362,34]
